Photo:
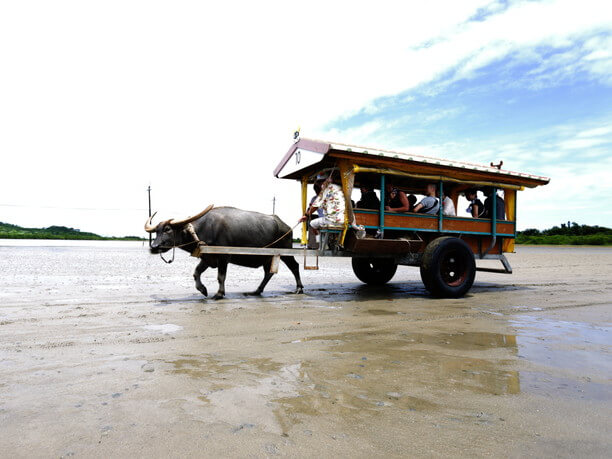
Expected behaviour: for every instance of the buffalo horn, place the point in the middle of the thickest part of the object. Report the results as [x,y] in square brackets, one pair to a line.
[148,227]
[190,219]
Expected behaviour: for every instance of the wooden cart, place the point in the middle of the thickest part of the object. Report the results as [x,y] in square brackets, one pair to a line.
[444,247]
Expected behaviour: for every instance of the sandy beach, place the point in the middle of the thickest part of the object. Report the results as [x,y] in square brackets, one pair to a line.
[105,351]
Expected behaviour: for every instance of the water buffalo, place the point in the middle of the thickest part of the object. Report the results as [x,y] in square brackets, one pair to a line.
[226,226]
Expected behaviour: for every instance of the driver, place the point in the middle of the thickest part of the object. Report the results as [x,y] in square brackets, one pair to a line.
[331,201]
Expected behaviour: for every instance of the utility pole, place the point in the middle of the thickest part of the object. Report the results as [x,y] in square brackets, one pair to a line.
[273,205]
[149,192]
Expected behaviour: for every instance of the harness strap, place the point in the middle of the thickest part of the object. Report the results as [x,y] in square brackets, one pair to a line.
[196,252]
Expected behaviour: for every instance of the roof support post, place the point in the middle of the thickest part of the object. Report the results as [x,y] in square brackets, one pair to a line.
[440,216]
[515,196]
[493,220]
[381,220]
[494,216]
[510,202]
[347,177]
[304,240]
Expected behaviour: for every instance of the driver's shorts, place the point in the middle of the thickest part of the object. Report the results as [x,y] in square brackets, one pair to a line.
[323,222]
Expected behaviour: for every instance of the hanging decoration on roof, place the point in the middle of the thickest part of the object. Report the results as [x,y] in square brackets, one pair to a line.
[296,135]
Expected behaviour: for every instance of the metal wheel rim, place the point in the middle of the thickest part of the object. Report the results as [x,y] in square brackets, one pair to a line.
[453,268]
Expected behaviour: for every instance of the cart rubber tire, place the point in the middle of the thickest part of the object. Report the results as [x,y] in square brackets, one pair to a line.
[374,271]
[448,267]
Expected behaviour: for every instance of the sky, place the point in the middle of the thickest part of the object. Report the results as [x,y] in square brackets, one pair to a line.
[199,101]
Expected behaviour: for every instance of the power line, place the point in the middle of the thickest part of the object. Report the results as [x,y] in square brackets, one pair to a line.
[71,208]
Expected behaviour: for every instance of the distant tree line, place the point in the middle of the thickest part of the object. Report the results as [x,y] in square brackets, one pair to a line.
[8,231]
[570,233]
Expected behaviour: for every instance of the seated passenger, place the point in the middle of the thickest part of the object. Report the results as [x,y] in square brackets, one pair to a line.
[368,200]
[448,207]
[412,201]
[476,209]
[429,204]
[317,189]
[396,200]
[488,205]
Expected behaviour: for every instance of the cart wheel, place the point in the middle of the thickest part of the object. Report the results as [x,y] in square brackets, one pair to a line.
[448,267]
[374,271]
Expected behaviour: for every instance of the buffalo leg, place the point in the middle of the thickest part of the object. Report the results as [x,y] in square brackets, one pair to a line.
[295,269]
[267,276]
[221,273]
[202,266]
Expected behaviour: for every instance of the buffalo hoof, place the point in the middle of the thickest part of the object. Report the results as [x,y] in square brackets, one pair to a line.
[255,293]
[203,291]
[299,290]
[218,296]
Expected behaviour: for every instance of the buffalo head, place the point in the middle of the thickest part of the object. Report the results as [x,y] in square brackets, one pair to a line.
[170,233]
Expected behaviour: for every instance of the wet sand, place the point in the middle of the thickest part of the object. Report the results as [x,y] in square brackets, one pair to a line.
[107,352]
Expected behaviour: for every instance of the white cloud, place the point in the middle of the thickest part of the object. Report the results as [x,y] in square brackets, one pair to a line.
[587,138]
[596,132]
[526,32]
[576,144]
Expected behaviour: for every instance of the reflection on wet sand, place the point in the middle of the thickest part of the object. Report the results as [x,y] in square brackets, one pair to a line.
[546,342]
[437,360]
[372,371]
[244,405]
[359,374]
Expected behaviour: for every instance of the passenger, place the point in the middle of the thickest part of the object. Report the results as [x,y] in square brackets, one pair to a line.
[476,209]
[429,204]
[312,238]
[448,207]
[317,189]
[331,200]
[412,199]
[368,200]
[488,205]
[396,200]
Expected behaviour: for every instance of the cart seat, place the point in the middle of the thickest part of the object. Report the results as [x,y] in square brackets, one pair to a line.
[332,229]
[326,241]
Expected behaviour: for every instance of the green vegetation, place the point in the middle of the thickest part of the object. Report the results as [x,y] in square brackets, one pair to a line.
[570,233]
[8,231]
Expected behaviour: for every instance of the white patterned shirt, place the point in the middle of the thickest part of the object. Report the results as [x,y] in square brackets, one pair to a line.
[331,200]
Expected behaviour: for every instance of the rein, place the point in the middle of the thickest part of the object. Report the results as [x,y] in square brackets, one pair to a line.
[272,243]
[161,255]
[189,228]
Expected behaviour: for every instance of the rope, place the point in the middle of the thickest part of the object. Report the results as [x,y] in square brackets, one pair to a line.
[272,243]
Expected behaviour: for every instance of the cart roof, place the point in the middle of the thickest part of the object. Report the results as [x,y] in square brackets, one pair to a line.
[307,156]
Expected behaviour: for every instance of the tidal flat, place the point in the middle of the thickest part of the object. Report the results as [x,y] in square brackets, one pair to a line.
[105,351]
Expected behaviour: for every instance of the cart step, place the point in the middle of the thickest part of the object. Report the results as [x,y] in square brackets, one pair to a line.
[314,267]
